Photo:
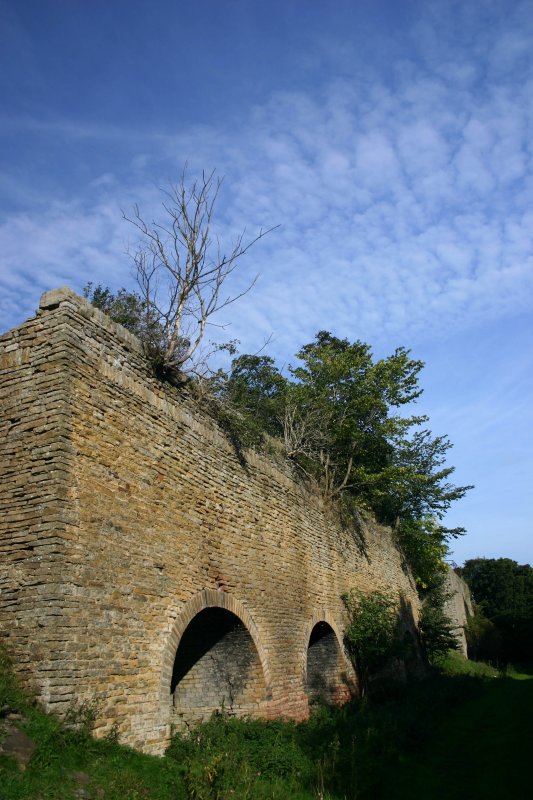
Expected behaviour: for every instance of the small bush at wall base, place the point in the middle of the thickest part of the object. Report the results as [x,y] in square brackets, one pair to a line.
[371,635]
[484,639]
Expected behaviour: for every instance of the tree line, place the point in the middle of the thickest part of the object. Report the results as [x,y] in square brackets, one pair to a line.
[502,628]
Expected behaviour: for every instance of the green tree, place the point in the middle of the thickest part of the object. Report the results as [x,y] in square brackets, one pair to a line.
[416,484]
[126,308]
[500,585]
[503,590]
[132,312]
[424,545]
[257,388]
[365,446]
[352,397]
[437,632]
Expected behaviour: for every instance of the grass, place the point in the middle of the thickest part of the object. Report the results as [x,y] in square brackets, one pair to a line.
[481,749]
[464,732]
[65,762]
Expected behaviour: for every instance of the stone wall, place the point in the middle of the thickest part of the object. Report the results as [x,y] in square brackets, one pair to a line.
[459,606]
[128,522]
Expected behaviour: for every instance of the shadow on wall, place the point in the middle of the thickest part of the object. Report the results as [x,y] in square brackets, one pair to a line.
[407,662]
[412,656]
[216,666]
[326,676]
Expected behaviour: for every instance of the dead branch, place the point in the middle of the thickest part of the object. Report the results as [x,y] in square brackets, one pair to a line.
[181,271]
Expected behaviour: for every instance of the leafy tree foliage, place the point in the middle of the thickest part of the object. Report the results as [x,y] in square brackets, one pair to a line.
[424,544]
[343,428]
[418,483]
[257,388]
[126,308]
[503,591]
[340,385]
[130,310]
[500,585]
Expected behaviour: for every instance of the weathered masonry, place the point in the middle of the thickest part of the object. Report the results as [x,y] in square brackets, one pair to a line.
[458,606]
[144,564]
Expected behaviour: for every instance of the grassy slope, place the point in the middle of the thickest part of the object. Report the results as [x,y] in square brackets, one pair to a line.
[68,764]
[464,733]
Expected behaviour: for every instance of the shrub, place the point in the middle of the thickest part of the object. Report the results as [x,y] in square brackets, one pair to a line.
[227,756]
[484,639]
[371,636]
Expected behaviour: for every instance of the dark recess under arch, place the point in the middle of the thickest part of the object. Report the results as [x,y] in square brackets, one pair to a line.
[216,665]
[324,664]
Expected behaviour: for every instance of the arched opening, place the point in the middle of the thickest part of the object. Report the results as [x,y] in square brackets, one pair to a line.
[216,666]
[326,679]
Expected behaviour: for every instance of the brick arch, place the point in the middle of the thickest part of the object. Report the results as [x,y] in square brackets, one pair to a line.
[345,683]
[207,598]
[321,615]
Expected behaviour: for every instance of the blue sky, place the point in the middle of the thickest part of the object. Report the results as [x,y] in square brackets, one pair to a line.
[393,142]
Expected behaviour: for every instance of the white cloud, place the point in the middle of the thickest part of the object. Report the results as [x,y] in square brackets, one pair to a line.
[405,207]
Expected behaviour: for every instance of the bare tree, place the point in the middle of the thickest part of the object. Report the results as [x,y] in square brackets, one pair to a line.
[180,271]
[304,429]
[307,434]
